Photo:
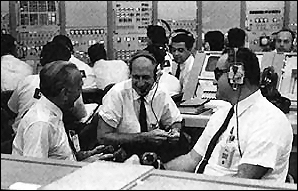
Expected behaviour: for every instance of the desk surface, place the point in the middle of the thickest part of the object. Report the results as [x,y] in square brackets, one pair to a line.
[100,175]
[34,171]
[173,180]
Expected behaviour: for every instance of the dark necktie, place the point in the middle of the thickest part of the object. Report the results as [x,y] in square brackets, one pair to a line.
[178,71]
[214,140]
[142,116]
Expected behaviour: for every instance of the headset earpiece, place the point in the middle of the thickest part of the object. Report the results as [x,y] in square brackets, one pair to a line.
[236,72]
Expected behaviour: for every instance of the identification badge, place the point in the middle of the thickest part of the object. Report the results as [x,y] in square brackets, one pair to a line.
[75,140]
[226,155]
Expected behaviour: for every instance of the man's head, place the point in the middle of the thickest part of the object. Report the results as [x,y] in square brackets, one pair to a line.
[284,40]
[61,82]
[96,52]
[143,66]
[236,38]
[53,51]
[8,45]
[65,41]
[157,35]
[181,45]
[227,74]
[214,40]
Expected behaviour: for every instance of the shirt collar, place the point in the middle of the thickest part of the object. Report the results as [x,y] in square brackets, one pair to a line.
[187,62]
[148,97]
[51,106]
[248,102]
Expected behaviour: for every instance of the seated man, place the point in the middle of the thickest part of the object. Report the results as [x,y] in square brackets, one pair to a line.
[41,132]
[255,139]
[25,95]
[181,47]
[137,115]
[13,69]
[106,71]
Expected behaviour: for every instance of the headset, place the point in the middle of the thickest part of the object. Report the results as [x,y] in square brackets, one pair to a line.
[236,72]
[177,32]
[147,54]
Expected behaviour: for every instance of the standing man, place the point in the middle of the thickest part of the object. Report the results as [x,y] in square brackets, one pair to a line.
[251,139]
[181,46]
[138,115]
[157,36]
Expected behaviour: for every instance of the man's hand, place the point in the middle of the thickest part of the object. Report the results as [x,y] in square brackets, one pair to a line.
[156,136]
[174,135]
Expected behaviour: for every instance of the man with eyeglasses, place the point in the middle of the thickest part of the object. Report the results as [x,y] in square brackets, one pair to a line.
[181,46]
[284,41]
[251,138]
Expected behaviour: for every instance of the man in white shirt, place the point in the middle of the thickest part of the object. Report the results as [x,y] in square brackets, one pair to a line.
[256,142]
[120,122]
[181,46]
[106,71]
[13,69]
[86,70]
[25,94]
[41,131]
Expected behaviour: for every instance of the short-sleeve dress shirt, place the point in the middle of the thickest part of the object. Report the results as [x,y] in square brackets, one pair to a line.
[265,138]
[185,71]
[89,79]
[41,133]
[120,108]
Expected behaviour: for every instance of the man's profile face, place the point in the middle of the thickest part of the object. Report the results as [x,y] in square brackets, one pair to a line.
[283,42]
[74,90]
[142,75]
[224,89]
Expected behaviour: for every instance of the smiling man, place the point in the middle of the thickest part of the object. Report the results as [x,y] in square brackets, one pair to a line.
[121,120]
[181,46]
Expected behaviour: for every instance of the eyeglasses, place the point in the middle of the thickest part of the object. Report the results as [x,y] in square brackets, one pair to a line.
[219,72]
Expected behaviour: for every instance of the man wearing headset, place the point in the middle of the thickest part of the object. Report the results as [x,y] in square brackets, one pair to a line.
[119,114]
[258,137]
[181,46]
[284,41]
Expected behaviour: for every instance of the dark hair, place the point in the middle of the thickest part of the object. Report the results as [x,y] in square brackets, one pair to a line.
[157,34]
[287,30]
[53,51]
[250,62]
[182,35]
[55,76]
[236,38]
[141,53]
[159,52]
[215,40]
[8,45]
[64,40]
[96,52]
